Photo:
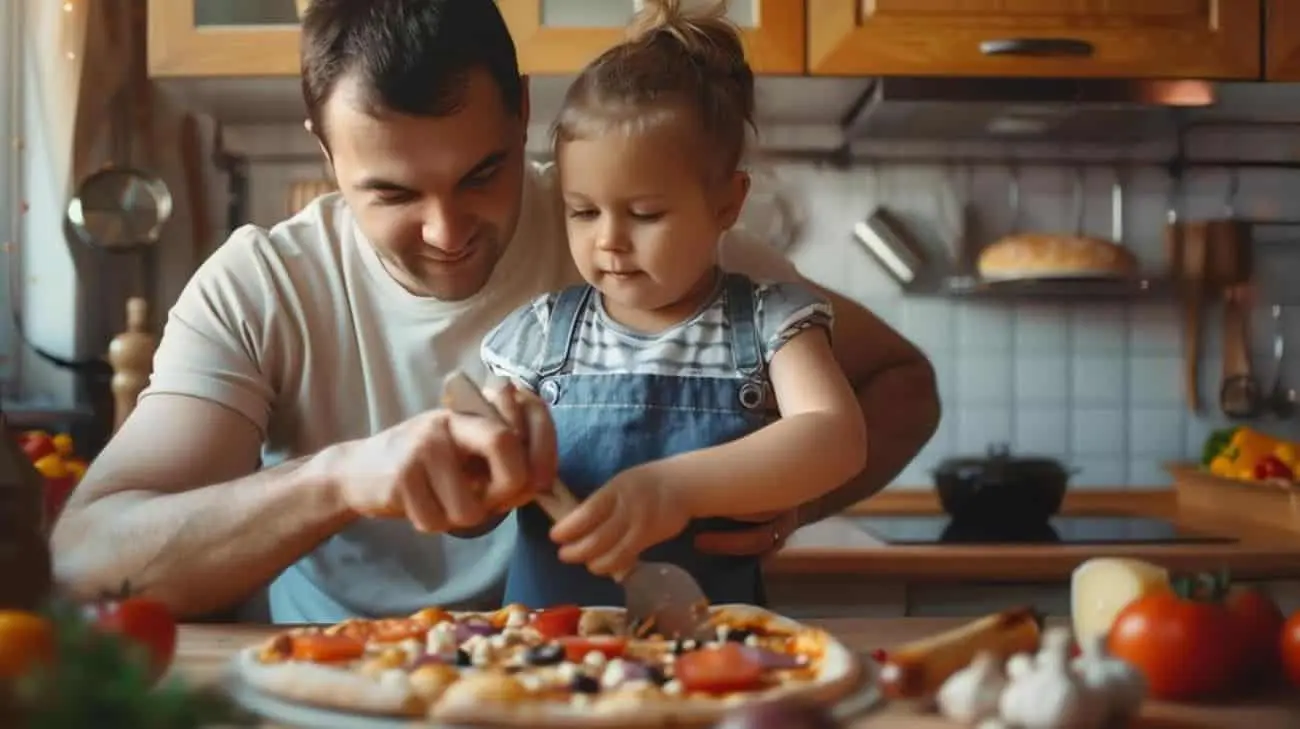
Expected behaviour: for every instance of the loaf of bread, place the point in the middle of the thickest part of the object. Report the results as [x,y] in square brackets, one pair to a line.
[1050,255]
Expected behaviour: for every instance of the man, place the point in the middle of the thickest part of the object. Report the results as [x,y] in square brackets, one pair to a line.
[322,343]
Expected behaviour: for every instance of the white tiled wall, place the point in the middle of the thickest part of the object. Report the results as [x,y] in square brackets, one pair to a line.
[1096,384]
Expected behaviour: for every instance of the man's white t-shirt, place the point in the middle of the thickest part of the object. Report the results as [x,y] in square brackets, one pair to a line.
[301,330]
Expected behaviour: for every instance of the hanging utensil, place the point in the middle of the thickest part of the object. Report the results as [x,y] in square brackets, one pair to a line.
[661,595]
[1185,248]
[1229,249]
[886,237]
[1281,399]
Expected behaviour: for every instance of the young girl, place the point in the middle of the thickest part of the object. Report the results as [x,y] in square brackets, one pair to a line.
[681,394]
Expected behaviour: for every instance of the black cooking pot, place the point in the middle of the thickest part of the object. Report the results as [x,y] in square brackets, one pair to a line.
[1000,488]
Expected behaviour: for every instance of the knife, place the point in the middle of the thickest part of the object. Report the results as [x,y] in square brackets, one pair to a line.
[660,598]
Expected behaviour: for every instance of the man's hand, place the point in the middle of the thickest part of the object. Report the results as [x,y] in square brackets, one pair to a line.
[610,529]
[530,418]
[440,470]
[764,539]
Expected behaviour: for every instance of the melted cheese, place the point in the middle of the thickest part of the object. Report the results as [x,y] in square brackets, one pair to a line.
[1100,588]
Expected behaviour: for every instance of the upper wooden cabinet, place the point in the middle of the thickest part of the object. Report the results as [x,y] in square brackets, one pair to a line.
[1282,40]
[562,36]
[223,38]
[261,37]
[1080,38]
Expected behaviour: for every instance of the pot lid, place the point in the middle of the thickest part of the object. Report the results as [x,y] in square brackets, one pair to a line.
[999,456]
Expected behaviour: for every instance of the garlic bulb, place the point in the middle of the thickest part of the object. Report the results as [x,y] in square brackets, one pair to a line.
[1122,686]
[1020,664]
[1051,696]
[972,693]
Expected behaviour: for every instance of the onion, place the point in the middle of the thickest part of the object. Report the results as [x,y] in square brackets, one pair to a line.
[426,659]
[770,659]
[473,627]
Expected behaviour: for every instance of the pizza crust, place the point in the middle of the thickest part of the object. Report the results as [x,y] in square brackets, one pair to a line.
[495,699]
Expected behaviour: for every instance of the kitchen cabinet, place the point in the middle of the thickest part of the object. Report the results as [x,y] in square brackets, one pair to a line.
[1282,40]
[213,38]
[1037,38]
[562,36]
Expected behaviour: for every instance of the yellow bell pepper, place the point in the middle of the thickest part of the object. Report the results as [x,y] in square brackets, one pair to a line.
[1286,453]
[1244,448]
[51,466]
[63,444]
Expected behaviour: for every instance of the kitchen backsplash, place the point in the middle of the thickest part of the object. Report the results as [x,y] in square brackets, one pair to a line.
[1097,384]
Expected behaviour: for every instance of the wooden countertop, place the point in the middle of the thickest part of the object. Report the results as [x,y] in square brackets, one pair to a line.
[1267,542]
[204,652]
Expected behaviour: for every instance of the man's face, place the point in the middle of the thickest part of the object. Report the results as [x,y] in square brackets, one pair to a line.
[438,197]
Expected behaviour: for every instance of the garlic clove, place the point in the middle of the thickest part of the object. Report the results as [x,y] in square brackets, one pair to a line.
[1020,664]
[972,694]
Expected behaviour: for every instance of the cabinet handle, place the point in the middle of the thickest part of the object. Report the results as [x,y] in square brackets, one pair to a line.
[1042,47]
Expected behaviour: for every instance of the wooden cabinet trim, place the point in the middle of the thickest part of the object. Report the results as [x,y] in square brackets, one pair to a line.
[178,48]
[837,37]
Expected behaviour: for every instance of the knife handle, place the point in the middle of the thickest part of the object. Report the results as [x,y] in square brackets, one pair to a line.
[461,395]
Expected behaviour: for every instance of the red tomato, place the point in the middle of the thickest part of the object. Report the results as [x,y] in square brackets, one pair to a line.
[576,648]
[558,621]
[37,445]
[1289,646]
[144,621]
[1259,622]
[326,648]
[718,670]
[1185,648]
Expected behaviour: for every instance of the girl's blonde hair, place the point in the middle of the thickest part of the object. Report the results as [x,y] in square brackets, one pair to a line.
[674,59]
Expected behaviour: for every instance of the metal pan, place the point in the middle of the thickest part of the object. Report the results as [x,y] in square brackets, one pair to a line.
[120,209]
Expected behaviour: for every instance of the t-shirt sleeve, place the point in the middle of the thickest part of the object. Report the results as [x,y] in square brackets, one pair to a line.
[215,343]
[742,252]
[514,348]
[783,310]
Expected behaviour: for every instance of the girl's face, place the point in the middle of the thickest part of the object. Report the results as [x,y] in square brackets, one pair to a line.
[644,221]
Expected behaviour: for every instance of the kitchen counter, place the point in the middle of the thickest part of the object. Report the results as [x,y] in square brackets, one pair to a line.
[204,653]
[1265,548]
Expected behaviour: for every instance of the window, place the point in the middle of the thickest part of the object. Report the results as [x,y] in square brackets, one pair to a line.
[11,52]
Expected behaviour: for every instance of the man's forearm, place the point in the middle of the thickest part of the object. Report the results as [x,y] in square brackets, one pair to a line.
[203,549]
[902,410]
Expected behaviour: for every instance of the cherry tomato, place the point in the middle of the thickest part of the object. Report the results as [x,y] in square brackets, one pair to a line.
[26,640]
[145,622]
[1185,648]
[718,670]
[327,648]
[1259,622]
[576,648]
[556,622]
[37,444]
[1289,646]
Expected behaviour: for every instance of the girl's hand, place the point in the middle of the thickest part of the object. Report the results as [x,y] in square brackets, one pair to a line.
[609,530]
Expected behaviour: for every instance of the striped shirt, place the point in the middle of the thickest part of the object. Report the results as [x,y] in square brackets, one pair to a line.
[698,347]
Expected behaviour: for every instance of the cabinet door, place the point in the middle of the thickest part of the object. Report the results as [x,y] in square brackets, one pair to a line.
[1083,38]
[223,38]
[562,36]
[1282,40]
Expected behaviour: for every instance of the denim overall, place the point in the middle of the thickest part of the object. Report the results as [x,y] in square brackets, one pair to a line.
[609,422]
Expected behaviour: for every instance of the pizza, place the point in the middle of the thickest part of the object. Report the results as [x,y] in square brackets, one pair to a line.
[563,666]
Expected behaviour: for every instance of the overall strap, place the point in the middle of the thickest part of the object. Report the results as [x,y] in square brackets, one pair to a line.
[565,316]
[744,330]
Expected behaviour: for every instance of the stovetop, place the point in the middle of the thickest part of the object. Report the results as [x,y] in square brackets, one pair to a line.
[1058,530]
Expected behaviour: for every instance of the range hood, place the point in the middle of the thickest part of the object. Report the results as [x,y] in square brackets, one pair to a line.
[1060,110]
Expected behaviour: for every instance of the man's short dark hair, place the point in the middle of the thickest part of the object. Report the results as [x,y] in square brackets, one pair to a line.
[410,56]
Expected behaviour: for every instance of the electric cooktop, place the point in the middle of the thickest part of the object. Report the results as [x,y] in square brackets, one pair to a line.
[1057,530]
